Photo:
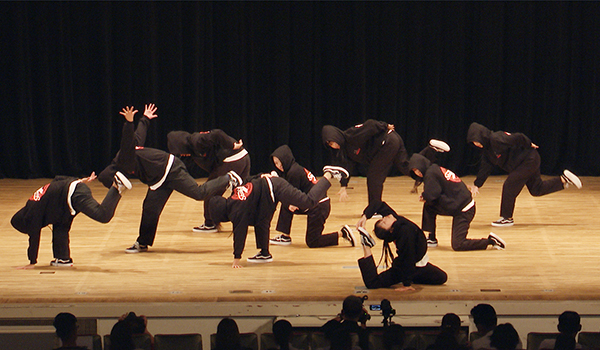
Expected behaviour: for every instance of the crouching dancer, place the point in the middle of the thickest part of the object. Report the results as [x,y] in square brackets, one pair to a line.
[57,204]
[411,265]
[254,204]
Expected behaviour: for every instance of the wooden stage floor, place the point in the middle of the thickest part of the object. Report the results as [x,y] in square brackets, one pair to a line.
[552,253]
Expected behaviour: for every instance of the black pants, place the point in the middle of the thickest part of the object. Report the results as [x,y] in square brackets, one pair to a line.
[315,223]
[83,202]
[526,174]
[284,192]
[391,153]
[428,274]
[241,167]
[460,228]
[181,181]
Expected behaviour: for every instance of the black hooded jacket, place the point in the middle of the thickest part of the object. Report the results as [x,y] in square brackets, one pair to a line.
[442,189]
[208,149]
[297,175]
[358,144]
[252,204]
[47,206]
[410,241]
[500,148]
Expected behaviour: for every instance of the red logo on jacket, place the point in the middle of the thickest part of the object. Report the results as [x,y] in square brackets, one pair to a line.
[449,175]
[37,195]
[242,193]
[310,176]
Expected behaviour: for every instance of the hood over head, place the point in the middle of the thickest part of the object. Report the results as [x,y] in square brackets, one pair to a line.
[478,133]
[419,162]
[285,155]
[178,142]
[331,133]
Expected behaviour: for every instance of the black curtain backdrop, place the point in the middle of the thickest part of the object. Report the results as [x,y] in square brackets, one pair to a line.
[274,73]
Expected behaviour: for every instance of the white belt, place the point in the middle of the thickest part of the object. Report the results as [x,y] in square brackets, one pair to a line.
[469,206]
[241,154]
[72,187]
[162,180]
[423,261]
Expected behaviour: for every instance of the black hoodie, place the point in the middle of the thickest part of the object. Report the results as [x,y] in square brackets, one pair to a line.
[500,148]
[410,241]
[442,189]
[294,173]
[208,149]
[358,144]
[48,205]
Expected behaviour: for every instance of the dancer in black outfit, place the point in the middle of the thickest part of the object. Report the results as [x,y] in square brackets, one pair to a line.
[444,193]
[161,171]
[411,265]
[254,204]
[216,153]
[375,144]
[298,176]
[517,155]
[57,204]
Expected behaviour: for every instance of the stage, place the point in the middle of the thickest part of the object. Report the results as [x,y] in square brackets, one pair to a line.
[550,264]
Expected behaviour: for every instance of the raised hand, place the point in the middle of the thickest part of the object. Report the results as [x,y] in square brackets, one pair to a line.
[129,113]
[149,111]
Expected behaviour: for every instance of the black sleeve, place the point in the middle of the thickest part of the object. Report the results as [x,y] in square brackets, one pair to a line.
[378,207]
[34,246]
[126,158]
[141,131]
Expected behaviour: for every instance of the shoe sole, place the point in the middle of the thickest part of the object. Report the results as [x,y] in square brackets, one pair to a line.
[432,245]
[353,239]
[124,180]
[61,265]
[439,146]
[336,168]
[135,251]
[237,177]
[502,225]
[572,179]
[279,243]
[500,240]
[197,230]
[363,232]
[259,261]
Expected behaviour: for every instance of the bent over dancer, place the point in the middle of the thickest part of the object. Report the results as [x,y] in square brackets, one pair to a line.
[411,264]
[216,153]
[517,155]
[57,204]
[161,171]
[298,176]
[375,144]
[444,193]
[254,204]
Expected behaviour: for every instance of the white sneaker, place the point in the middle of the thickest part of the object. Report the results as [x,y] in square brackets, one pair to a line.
[497,242]
[136,248]
[439,146]
[122,182]
[206,229]
[571,179]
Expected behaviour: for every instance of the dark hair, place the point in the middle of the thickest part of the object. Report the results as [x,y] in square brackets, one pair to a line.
[228,335]
[137,324]
[451,322]
[282,331]
[485,315]
[352,307]
[569,322]
[65,324]
[393,335]
[504,337]
[121,336]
